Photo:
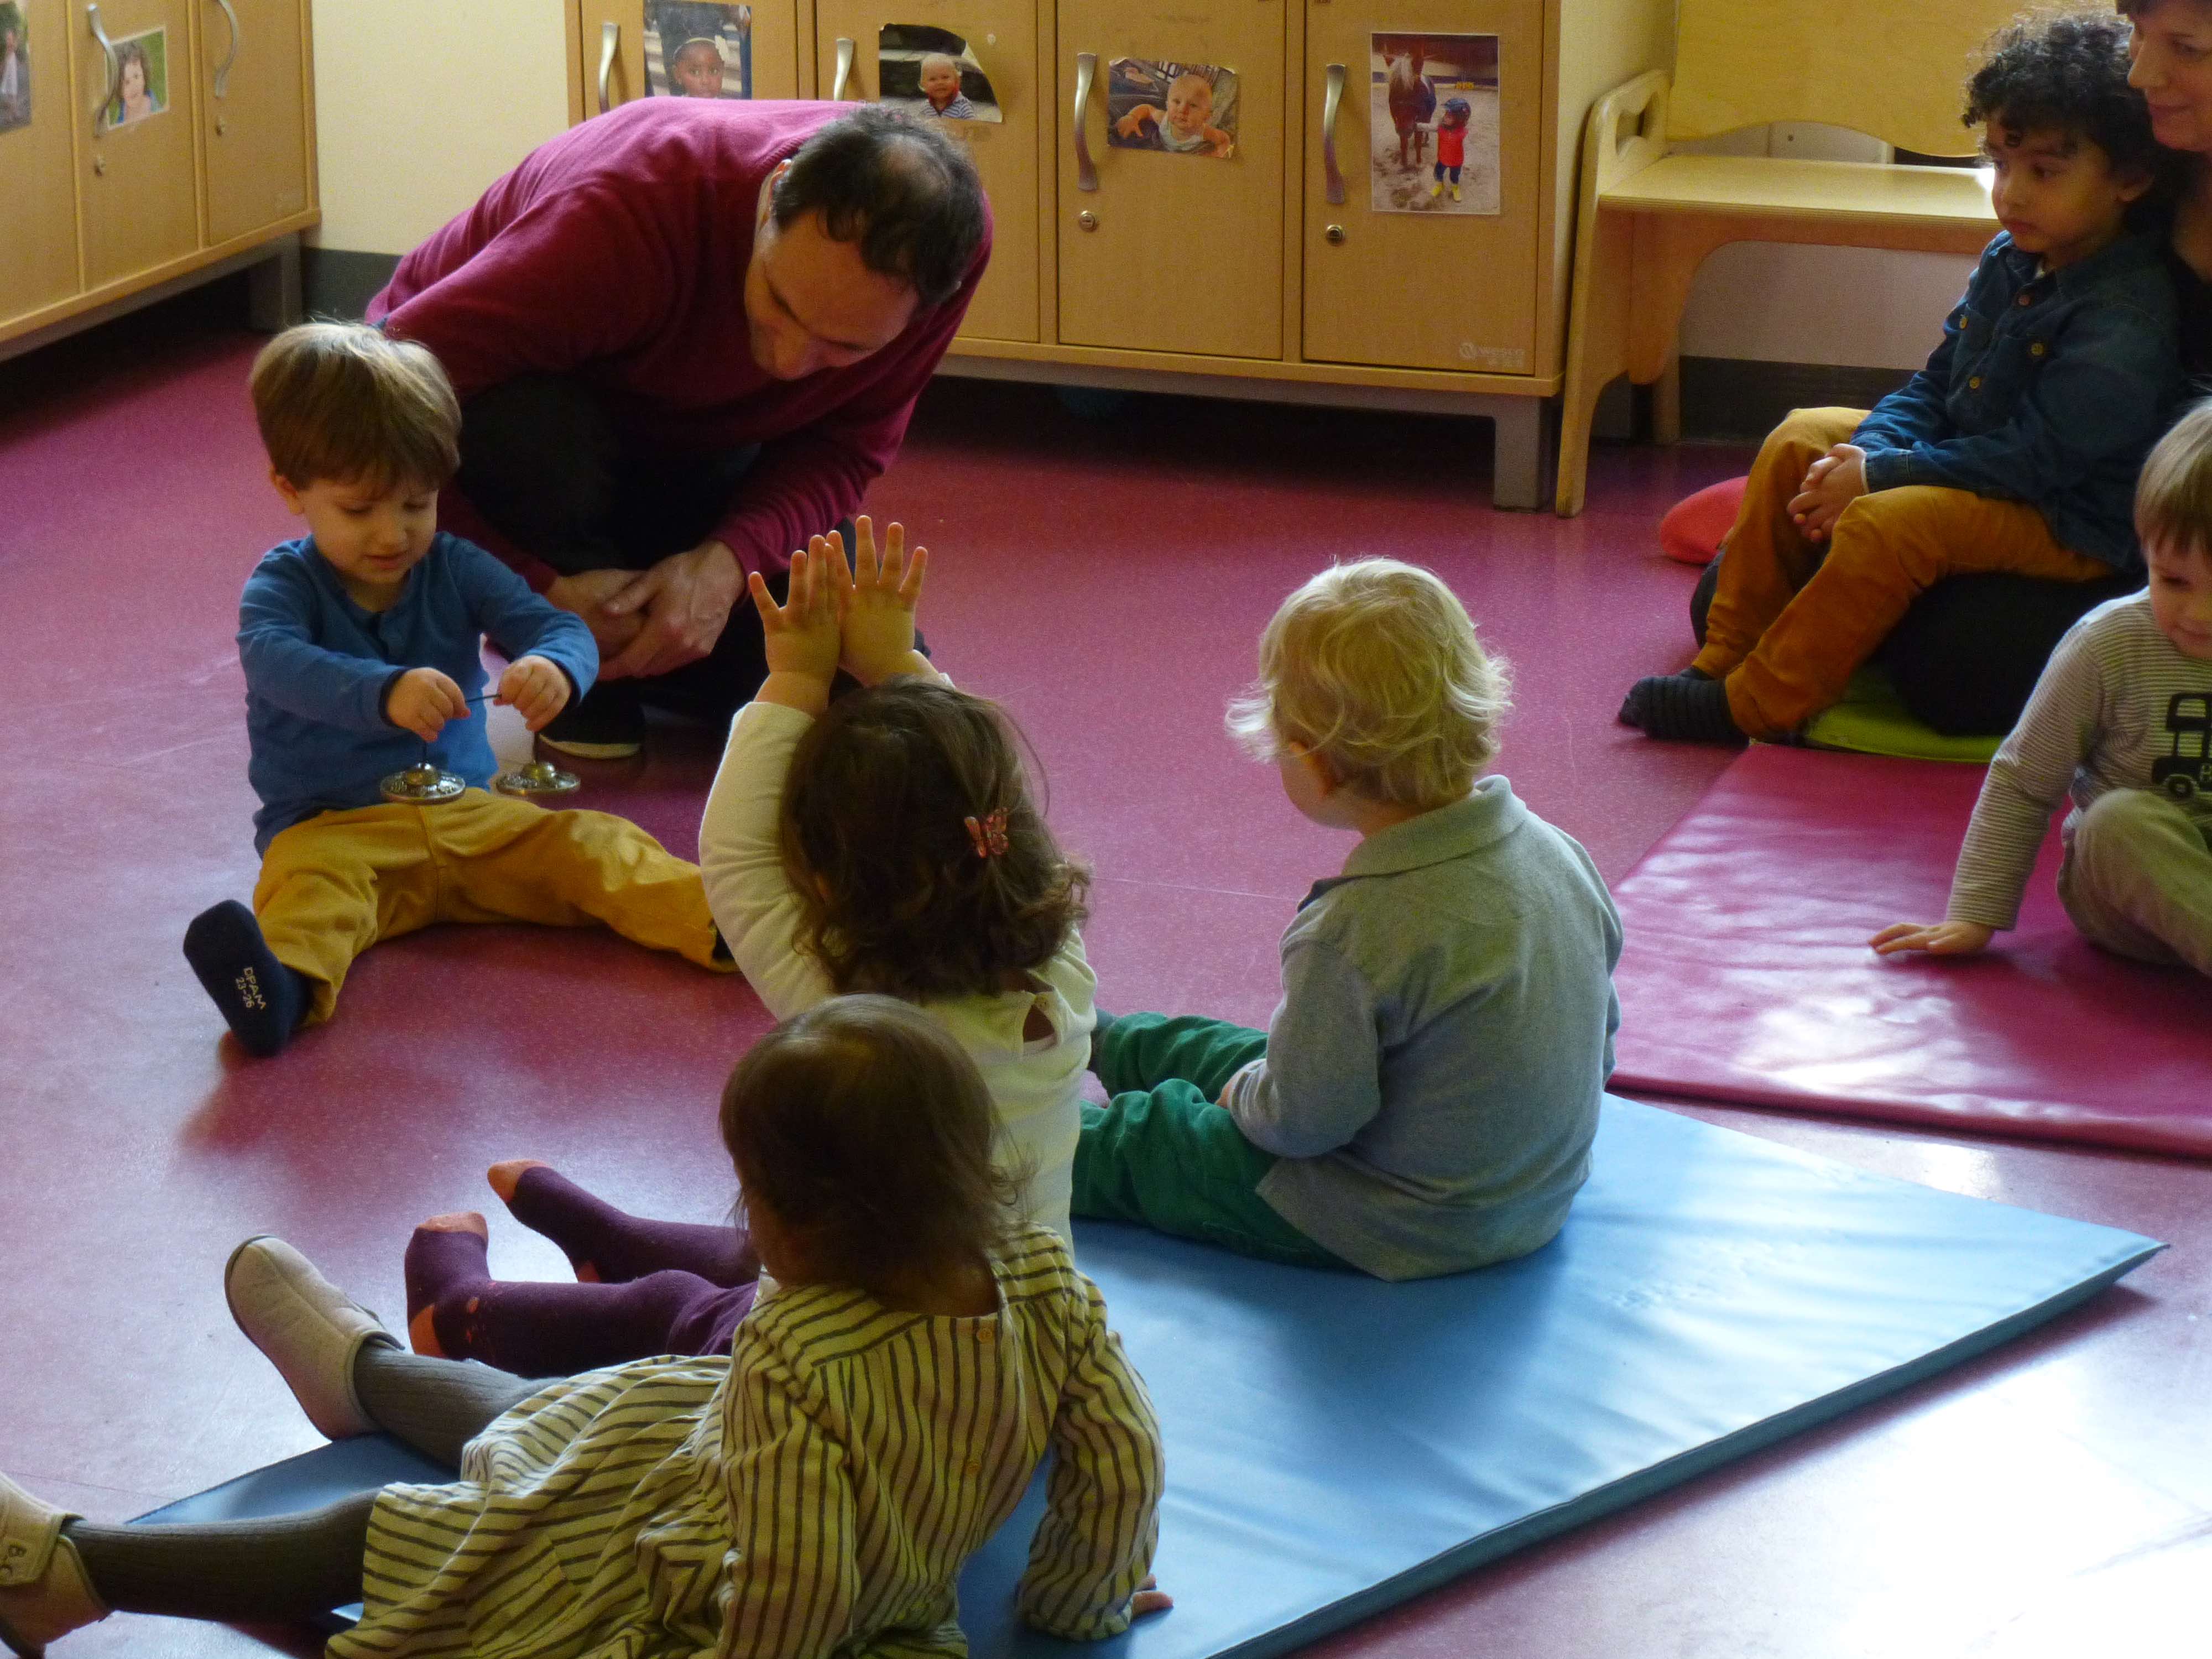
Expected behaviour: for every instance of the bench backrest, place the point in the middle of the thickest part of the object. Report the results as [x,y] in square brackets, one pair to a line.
[1895,69]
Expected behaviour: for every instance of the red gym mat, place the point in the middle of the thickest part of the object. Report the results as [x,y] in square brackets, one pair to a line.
[1746,975]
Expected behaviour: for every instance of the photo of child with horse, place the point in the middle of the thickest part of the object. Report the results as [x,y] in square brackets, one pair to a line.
[1430,93]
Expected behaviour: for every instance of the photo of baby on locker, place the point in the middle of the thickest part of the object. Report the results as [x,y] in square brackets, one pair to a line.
[926,70]
[698,49]
[1187,109]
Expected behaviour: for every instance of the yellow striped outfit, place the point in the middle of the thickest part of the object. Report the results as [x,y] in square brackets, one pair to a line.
[815,1492]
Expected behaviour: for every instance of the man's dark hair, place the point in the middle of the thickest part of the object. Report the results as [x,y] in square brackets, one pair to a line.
[2065,73]
[908,194]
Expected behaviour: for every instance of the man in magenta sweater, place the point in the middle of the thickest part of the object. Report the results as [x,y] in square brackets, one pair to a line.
[687,335]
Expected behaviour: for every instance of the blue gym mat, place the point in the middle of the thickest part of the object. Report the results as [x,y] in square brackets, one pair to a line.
[1336,1445]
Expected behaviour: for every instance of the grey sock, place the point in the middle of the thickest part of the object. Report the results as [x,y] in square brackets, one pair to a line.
[272,1567]
[435,1405]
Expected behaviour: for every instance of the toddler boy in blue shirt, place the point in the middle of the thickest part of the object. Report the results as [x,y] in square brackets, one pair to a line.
[361,645]
[1425,1097]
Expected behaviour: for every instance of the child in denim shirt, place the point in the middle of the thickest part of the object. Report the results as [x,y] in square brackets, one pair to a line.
[1424,1098]
[2014,450]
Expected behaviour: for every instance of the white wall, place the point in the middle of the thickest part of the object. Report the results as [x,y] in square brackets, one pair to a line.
[420,104]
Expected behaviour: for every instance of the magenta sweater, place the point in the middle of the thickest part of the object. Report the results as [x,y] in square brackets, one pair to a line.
[617,253]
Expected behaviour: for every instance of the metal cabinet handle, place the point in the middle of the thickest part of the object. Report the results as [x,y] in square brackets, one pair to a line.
[844,71]
[1332,100]
[609,44]
[222,70]
[115,71]
[1086,72]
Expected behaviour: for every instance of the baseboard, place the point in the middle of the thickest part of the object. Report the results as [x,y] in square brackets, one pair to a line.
[1735,400]
[339,282]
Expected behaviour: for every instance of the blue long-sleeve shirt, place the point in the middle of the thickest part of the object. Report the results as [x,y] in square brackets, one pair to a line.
[2049,388]
[319,669]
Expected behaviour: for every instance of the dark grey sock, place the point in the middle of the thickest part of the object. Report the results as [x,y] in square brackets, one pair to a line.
[270,1568]
[435,1405]
[1688,707]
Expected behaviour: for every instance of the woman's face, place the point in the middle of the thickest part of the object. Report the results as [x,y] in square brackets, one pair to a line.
[2171,51]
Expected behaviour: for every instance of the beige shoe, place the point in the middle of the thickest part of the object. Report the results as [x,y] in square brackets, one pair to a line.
[44,1592]
[310,1329]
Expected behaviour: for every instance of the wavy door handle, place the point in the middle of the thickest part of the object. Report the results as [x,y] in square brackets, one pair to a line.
[223,71]
[1086,72]
[115,71]
[1332,100]
[610,47]
[844,71]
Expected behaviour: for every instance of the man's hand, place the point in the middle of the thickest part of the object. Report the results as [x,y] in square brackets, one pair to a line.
[535,688]
[800,637]
[1831,483]
[685,602]
[879,603]
[422,701]
[1942,939]
[586,593]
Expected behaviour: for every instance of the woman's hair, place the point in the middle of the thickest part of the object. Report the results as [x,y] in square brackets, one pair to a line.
[1375,667]
[2174,493]
[866,1131]
[343,402]
[898,893]
[2065,72]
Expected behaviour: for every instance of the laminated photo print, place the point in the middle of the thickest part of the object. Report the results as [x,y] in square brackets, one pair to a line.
[1188,109]
[926,70]
[1433,123]
[698,49]
[14,67]
[142,78]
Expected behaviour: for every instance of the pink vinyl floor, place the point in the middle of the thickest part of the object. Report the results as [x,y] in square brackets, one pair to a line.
[1107,581]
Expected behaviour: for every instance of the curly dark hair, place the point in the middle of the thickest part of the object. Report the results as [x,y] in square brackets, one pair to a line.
[864,1128]
[894,896]
[901,188]
[2065,72]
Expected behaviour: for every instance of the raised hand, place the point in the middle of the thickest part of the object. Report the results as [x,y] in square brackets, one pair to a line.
[800,637]
[1942,939]
[881,599]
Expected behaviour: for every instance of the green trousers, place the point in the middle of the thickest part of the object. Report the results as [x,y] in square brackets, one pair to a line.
[1163,1154]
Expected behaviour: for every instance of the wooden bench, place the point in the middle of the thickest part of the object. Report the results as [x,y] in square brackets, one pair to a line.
[1648,215]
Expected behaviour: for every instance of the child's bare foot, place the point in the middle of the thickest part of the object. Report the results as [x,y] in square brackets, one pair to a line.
[506,1175]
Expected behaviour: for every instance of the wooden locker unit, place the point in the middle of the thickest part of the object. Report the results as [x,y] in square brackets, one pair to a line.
[1180,253]
[1421,290]
[610,54]
[1002,36]
[253,110]
[137,183]
[41,266]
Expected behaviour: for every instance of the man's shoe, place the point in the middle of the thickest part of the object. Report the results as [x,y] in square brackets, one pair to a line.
[310,1329]
[607,725]
[44,1592]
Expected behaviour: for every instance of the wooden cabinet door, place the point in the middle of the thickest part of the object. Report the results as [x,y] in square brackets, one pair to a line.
[136,188]
[253,104]
[612,38]
[38,182]
[1001,37]
[1398,273]
[1173,253]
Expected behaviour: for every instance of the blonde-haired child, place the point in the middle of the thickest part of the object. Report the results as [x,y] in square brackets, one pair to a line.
[1425,1097]
[2121,722]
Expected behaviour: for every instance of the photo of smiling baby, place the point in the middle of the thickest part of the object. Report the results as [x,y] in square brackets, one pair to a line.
[1189,109]
[698,49]
[926,70]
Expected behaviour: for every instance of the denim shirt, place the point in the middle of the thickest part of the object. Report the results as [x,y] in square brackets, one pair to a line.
[2048,389]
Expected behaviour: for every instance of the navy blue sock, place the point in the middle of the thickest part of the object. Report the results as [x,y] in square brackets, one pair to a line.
[1685,706]
[260,998]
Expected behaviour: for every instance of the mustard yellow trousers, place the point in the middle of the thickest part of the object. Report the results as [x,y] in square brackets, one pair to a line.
[1793,619]
[336,884]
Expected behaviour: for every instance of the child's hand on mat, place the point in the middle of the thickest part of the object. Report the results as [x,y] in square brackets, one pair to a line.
[1149,1598]
[535,688]
[880,605]
[800,637]
[422,701]
[1943,939]
[1831,483]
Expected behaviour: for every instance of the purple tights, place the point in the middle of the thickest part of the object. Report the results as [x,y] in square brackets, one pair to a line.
[662,1286]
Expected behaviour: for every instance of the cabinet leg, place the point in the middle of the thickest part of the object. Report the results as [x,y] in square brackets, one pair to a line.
[1521,468]
[273,300]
